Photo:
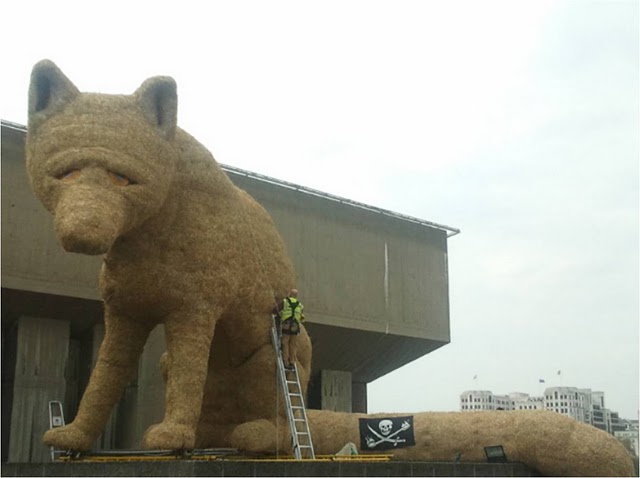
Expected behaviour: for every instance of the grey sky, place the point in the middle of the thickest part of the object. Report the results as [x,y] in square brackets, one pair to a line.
[516,122]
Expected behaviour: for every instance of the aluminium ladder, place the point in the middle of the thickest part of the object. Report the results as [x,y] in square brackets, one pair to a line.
[56,419]
[294,404]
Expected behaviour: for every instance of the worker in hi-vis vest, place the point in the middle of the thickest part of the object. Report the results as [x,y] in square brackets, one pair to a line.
[291,312]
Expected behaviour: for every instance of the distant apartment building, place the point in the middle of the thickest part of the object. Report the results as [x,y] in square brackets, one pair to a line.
[584,405]
[475,400]
[629,435]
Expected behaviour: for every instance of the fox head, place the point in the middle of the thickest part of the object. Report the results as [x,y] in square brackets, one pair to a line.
[101,164]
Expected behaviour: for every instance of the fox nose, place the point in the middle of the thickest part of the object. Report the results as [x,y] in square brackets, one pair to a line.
[88,219]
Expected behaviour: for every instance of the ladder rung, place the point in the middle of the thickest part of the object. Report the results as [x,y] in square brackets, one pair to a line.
[294,394]
[297,407]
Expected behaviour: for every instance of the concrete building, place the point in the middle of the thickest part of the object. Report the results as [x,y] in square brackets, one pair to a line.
[393,268]
[570,401]
[476,400]
[628,434]
[582,404]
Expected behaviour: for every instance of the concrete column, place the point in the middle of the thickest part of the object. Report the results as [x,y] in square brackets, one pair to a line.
[359,397]
[9,347]
[150,398]
[335,391]
[106,441]
[70,404]
[42,354]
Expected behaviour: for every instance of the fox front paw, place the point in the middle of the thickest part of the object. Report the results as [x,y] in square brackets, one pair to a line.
[169,436]
[68,437]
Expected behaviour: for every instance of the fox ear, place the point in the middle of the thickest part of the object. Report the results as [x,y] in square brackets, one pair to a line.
[158,99]
[49,90]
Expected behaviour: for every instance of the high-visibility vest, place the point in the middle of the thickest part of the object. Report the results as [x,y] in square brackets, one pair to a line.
[291,308]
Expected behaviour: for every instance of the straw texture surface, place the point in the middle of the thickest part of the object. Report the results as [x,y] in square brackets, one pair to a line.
[182,246]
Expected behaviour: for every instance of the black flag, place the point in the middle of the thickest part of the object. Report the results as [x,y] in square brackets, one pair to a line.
[386,433]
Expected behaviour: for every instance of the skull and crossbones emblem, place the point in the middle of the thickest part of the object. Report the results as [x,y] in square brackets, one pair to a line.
[385,434]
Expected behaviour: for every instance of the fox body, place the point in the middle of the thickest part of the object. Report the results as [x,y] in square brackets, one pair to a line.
[182,247]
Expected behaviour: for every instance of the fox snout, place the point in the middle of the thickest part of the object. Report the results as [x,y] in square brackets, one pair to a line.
[88,219]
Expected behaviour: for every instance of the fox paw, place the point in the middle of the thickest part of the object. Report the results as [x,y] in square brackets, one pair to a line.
[258,436]
[68,437]
[169,436]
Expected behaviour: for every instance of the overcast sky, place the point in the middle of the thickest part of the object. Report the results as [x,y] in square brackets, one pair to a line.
[516,122]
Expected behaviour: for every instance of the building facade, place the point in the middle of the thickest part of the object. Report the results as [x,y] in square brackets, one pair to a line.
[477,400]
[584,405]
[629,436]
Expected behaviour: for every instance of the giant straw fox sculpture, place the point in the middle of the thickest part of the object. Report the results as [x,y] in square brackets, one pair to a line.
[186,248]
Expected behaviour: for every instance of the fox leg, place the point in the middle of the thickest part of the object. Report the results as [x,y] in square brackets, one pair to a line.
[117,360]
[188,335]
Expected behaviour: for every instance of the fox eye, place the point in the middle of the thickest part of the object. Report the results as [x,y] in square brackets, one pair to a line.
[119,179]
[69,175]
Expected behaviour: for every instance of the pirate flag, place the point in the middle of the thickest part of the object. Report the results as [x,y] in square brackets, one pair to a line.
[386,433]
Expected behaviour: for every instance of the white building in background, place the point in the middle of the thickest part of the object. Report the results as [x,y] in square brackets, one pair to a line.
[629,434]
[584,405]
[475,400]
[522,401]
[572,402]
[581,404]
